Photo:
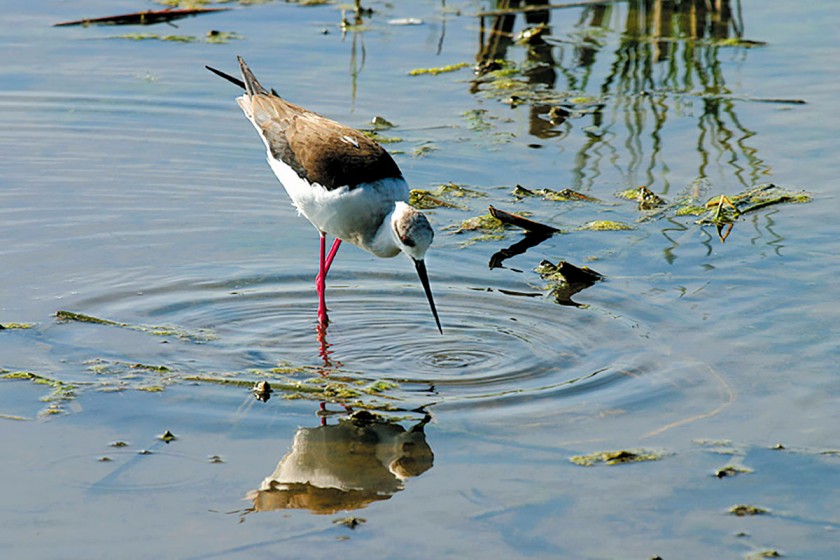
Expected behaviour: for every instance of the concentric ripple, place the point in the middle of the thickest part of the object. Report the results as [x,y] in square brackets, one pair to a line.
[496,349]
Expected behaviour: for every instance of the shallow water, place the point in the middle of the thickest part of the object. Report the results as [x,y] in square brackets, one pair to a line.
[134,191]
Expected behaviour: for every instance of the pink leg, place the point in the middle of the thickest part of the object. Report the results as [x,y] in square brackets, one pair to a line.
[320,284]
[333,250]
[328,263]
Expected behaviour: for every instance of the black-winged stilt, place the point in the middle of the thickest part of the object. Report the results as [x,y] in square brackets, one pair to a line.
[343,182]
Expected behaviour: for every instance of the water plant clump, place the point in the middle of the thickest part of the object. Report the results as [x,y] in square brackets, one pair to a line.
[619,457]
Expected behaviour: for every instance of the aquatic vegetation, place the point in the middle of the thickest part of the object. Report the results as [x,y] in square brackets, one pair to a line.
[199,336]
[441,196]
[647,199]
[381,123]
[766,553]
[477,119]
[456,190]
[350,522]
[376,136]
[732,470]
[565,195]
[217,37]
[424,150]
[564,280]
[617,457]
[16,326]
[727,209]
[213,37]
[60,393]
[425,200]
[438,70]
[744,510]
[486,223]
[605,225]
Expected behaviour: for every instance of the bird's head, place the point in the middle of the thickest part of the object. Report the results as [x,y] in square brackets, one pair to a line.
[414,235]
[412,230]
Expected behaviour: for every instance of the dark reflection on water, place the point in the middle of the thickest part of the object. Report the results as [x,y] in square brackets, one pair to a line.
[345,466]
[668,64]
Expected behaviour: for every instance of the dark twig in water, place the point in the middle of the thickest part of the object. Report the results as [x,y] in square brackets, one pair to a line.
[524,223]
[147,17]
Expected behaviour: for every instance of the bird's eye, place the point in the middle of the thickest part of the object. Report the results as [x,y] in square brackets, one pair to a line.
[407,241]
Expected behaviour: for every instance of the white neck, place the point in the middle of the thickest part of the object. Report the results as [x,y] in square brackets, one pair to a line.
[384,241]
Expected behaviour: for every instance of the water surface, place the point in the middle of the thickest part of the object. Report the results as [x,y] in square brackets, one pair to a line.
[133,190]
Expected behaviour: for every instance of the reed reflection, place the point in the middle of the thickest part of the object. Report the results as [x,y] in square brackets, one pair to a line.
[345,466]
[655,61]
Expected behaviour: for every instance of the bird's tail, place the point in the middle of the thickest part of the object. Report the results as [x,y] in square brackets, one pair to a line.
[252,86]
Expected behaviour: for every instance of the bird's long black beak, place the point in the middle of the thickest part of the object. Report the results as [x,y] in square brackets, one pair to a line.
[424,279]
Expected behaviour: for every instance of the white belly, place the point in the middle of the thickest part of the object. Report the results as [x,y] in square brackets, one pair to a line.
[352,215]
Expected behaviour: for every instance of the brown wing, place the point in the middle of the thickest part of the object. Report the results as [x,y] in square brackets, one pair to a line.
[320,149]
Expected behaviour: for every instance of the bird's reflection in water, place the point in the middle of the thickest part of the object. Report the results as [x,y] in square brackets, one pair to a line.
[362,459]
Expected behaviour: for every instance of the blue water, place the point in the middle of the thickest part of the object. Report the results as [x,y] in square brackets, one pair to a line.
[134,190]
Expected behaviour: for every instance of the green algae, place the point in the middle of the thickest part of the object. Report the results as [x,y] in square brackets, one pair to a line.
[732,470]
[690,210]
[16,326]
[565,195]
[156,37]
[379,387]
[200,336]
[438,70]
[60,393]
[564,280]
[485,223]
[743,510]
[619,457]
[456,190]
[647,199]
[152,388]
[606,225]
[381,123]
[442,196]
[425,200]
[477,120]
[376,136]
[424,150]
[350,522]
[215,37]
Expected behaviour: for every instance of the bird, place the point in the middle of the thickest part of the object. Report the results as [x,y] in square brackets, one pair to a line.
[345,183]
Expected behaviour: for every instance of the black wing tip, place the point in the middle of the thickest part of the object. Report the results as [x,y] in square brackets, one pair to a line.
[252,85]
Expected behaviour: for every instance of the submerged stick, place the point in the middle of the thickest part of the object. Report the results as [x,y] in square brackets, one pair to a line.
[148,17]
[524,223]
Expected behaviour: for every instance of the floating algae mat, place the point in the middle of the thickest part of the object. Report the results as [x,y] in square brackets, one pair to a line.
[616,457]
[719,209]
[564,195]
[60,391]
[438,70]
[442,196]
[202,335]
[564,280]
[749,201]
